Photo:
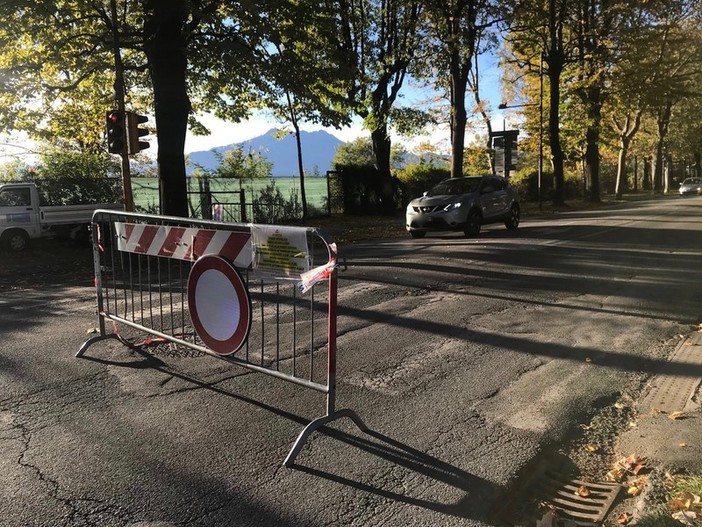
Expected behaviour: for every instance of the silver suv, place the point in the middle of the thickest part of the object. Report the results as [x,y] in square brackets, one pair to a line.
[464,204]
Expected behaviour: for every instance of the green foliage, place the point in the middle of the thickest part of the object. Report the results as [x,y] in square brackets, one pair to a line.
[64,164]
[238,164]
[526,181]
[62,190]
[411,121]
[15,171]
[271,207]
[476,161]
[355,189]
[418,178]
[359,152]
[70,178]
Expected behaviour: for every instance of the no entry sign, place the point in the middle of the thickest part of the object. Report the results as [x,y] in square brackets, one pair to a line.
[219,303]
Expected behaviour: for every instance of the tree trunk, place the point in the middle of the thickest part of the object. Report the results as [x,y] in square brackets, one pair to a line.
[592,138]
[459,81]
[663,122]
[298,144]
[301,170]
[165,50]
[555,67]
[621,184]
[381,151]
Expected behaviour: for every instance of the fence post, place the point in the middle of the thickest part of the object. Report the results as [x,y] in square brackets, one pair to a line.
[205,198]
[242,205]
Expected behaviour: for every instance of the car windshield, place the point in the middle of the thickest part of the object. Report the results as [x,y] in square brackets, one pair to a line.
[692,181]
[455,187]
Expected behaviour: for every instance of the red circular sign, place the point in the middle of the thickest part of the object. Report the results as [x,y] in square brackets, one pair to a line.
[219,304]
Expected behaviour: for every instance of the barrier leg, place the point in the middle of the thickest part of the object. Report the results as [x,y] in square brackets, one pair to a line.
[93,340]
[317,423]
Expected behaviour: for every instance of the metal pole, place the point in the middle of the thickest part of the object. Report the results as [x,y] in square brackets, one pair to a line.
[119,97]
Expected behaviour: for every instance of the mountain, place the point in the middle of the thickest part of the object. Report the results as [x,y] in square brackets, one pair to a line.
[318,149]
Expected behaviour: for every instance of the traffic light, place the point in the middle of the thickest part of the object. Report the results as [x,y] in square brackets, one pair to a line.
[134,132]
[115,131]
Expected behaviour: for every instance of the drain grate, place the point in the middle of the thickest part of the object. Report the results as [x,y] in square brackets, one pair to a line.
[576,502]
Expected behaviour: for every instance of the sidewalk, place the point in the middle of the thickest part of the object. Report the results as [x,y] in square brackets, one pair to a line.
[662,435]
[668,431]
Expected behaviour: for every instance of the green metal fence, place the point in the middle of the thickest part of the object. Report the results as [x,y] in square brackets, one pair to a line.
[245,195]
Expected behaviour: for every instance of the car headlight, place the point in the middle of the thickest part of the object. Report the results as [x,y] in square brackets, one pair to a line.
[452,206]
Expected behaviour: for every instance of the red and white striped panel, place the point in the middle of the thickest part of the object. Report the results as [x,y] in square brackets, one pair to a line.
[184,243]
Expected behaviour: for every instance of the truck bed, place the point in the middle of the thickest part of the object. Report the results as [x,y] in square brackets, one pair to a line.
[70,214]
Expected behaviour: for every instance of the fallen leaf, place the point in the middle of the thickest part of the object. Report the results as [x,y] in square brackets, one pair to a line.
[591,448]
[624,518]
[636,463]
[582,491]
[588,359]
[686,518]
[682,445]
[91,331]
[616,474]
[656,411]
[676,415]
[619,406]
[636,486]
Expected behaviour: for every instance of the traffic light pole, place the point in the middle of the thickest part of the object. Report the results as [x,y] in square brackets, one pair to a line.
[119,99]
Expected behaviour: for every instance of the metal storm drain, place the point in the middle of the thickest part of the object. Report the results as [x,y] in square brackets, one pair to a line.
[579,501]
[571,501]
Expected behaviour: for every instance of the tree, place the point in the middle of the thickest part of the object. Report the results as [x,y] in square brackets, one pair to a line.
[379,39]
[181,57]
[539,31]
[359,152]
[455,28]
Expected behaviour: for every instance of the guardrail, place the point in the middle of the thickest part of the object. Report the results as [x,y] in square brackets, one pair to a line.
[245,294]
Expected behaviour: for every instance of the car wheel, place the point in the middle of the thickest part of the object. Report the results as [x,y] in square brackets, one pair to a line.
[15,241]
[473,223]
[417,234]
[512,221]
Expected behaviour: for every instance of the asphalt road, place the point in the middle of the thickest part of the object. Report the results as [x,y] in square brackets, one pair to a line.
[466,357]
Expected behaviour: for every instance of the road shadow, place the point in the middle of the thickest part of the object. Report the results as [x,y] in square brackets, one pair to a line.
[478,492]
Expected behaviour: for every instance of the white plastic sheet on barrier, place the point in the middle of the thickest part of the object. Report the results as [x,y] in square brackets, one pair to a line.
[280,252]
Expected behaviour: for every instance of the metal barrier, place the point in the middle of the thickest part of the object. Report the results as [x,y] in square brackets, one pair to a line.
[243,293]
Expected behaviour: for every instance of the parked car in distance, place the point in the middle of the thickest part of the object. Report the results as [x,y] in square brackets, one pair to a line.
[691,185]
[464,204]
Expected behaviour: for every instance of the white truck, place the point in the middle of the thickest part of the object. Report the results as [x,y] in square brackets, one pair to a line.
[22,217]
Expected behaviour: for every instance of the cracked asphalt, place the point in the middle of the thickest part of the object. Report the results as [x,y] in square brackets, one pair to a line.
[467,358]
